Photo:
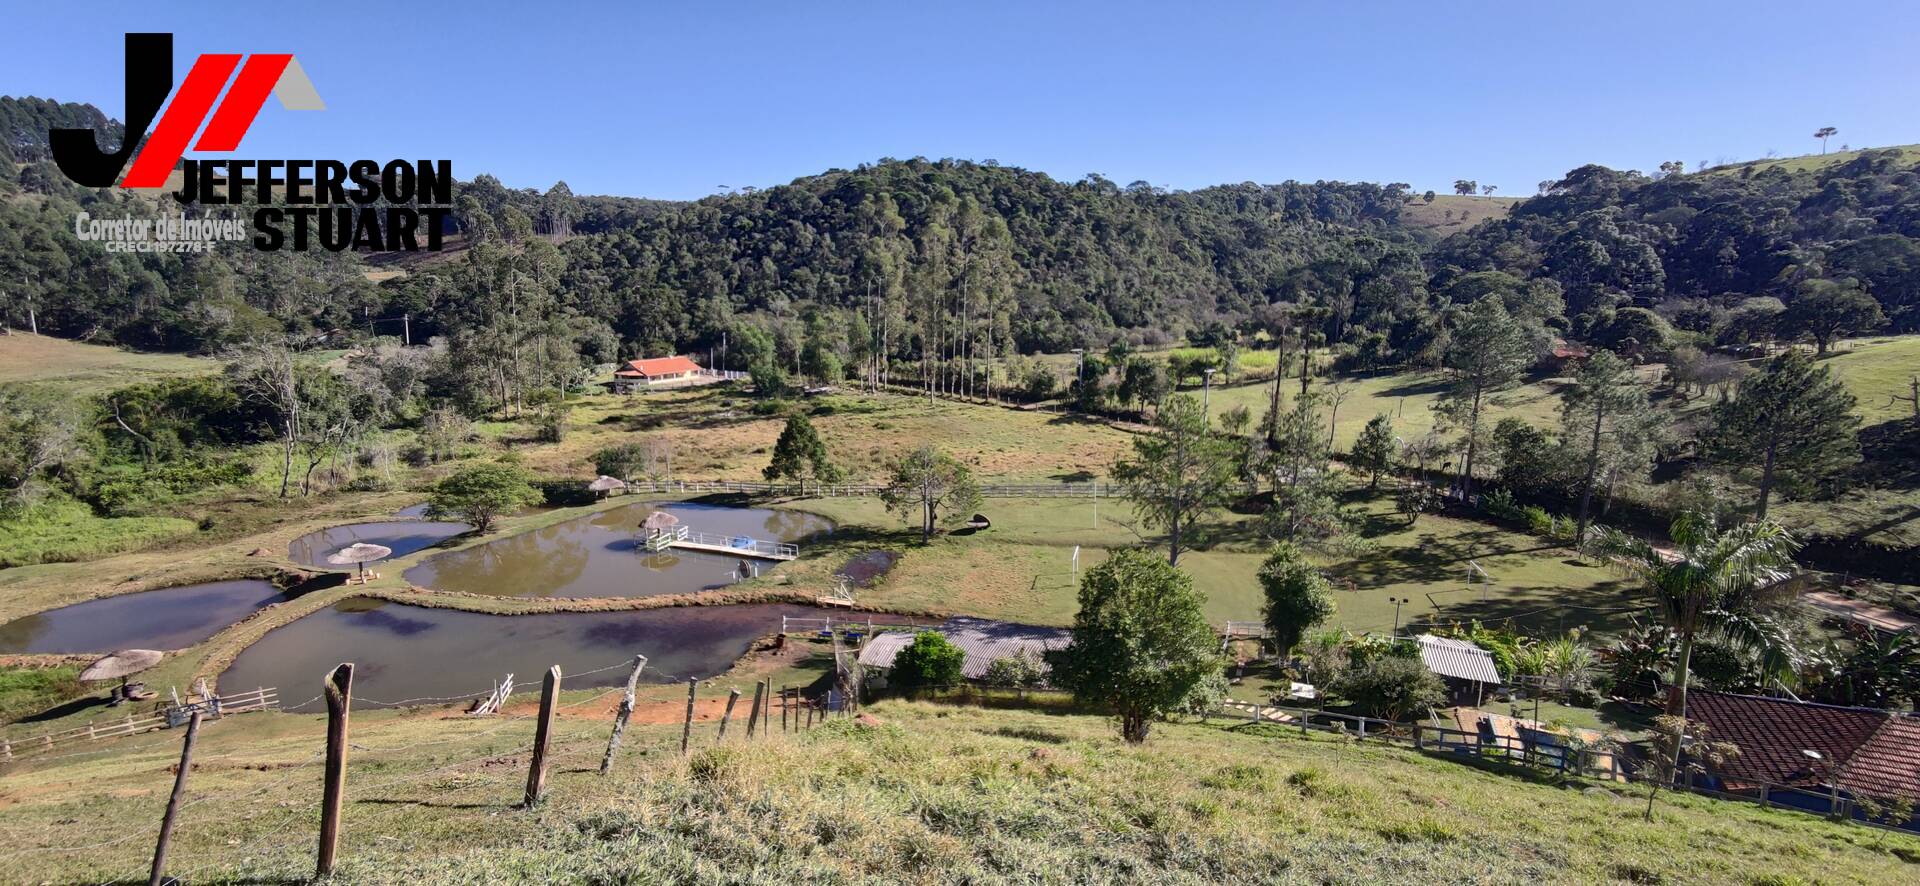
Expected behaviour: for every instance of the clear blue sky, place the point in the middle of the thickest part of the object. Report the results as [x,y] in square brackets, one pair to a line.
[674,100]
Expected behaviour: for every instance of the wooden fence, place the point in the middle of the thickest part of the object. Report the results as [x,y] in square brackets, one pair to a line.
[1550,756]
[166,718]
[843,490]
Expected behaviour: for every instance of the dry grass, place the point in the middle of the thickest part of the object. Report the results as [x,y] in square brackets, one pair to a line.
[83,369]
[924,794]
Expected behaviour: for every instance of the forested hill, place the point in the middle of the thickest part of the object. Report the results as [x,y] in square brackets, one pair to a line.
[980,259]
[1055,264]
[25,122]
[1699,245]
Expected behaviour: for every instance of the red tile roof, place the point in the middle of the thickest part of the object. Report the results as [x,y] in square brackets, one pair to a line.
[1879,752]
[657,366]
[1888,765]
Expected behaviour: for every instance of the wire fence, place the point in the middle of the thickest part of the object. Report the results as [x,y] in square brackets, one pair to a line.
[1543,752]
[272,824]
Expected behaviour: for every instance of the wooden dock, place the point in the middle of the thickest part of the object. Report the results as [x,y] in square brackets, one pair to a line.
[732,545]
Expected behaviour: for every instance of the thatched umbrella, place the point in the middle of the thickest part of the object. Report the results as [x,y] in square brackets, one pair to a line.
[660,521]
[605,484]
[121,665]
[359,554]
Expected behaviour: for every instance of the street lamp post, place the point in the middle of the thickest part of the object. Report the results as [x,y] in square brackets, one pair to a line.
[1397,601]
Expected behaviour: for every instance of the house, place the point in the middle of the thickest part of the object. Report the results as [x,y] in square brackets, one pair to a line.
[1565,354]
[656,372]
[1802,754]
[983,640]
[1466,669]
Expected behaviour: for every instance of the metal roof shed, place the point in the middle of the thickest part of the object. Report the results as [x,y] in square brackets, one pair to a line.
[1457,659]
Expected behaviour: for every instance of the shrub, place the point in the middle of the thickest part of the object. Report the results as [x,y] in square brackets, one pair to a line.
[565,492]
[1019,671]
[1500,504]
[930,660]
[1391,687]
[1539,522]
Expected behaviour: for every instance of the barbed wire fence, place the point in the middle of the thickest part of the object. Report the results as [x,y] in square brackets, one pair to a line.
[268,822]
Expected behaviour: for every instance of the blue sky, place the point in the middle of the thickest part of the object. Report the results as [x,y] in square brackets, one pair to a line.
[675,100]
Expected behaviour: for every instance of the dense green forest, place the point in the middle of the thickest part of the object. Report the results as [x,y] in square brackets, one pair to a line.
[952,261]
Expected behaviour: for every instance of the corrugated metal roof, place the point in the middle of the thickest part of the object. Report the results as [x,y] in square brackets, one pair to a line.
[983,641]
[1457,659]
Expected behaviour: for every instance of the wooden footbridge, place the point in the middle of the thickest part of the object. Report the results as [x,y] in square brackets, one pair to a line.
[683,538]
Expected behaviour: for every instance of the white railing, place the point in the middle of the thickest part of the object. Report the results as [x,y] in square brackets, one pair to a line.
[740,543]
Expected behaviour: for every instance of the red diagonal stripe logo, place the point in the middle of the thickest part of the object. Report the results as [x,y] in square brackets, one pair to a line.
[182,119]
[242,102]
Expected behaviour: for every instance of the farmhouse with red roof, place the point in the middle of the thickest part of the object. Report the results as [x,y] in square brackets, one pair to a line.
[655,372]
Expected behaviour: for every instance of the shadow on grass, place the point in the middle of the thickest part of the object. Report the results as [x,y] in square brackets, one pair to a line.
[433,804]
[68,709]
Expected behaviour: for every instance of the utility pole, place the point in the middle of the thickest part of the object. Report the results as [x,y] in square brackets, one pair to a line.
[406,329]
[1206,392]
[1397,601]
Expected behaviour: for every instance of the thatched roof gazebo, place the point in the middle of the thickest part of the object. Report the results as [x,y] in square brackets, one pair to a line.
[605,484]
[119,666]
[360,554]
[659,521]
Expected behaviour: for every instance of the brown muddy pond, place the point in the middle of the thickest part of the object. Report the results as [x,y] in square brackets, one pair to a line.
[169,618]
[407,653]
[403,536]
[600,555]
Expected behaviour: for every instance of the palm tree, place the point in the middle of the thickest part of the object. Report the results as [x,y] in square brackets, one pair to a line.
[1708,585]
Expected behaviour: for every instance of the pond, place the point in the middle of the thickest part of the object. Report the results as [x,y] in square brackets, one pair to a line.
[170,618]
[403,536]
[600,555]
[403,652]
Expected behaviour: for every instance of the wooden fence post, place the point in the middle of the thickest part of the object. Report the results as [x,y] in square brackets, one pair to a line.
[1419,739]
[733,697]
[784,691]
[686,729]
[6,749]
[753,716]
[626,711]
[809,715]
[173,801]
[339,687]
[542,735]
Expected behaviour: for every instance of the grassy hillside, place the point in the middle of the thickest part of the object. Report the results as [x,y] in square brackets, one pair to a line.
[1810,162]
[929,794]
[82,369]
[1452,212]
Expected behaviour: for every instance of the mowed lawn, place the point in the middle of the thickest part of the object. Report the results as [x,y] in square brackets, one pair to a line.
[1022,569]
[714,434]
[83,369]
[1407,398]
